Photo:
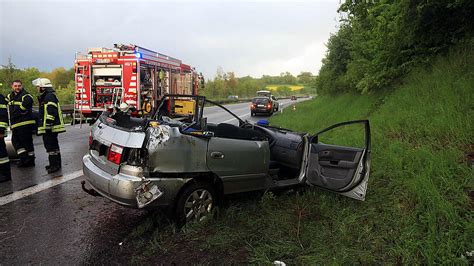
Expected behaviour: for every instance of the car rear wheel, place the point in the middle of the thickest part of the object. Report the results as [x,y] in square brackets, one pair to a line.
[196,203]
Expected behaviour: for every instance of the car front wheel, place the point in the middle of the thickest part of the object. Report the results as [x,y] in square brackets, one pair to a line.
[195,203]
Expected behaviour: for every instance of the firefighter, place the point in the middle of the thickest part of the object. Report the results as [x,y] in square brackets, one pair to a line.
[22,123]
[50,122]
[5,174]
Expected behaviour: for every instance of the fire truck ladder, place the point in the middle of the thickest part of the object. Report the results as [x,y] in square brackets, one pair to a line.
[79,91]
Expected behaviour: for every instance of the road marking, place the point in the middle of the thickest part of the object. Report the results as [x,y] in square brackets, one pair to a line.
[228,120]
[38,188]
[241,117]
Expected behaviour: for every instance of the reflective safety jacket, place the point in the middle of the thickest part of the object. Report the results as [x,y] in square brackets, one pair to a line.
[20,106]
[50,115]
[3,114]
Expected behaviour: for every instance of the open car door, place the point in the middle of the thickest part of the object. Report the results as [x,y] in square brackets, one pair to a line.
[341,169]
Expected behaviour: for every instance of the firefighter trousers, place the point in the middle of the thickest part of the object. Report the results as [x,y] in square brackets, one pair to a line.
[5,173]
[51,144]
[22,140]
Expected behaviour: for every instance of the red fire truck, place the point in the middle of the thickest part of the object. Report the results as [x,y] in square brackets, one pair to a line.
[131,74]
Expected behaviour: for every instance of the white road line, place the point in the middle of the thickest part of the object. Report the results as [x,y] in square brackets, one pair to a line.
[228,120]
[38,188]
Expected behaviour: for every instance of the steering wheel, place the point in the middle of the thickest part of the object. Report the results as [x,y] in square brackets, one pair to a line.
[271,140]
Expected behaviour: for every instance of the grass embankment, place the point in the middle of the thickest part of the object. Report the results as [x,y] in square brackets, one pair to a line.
[417,209]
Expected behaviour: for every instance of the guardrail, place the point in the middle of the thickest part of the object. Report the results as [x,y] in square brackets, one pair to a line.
[67,108]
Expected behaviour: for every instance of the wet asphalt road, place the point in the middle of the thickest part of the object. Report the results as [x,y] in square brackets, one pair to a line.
[63,224]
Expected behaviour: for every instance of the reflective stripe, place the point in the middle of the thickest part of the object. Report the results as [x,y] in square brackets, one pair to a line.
[58,128]
[52,103]
[31,153]
[27,122]
[60,114]
[20,150]
[4,160]
[3,106]
[55,129]
[18,102]
[22,99]
[54,153]
[3,124]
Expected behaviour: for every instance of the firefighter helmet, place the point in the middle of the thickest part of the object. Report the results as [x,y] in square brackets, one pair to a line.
[123,107]
[42,82]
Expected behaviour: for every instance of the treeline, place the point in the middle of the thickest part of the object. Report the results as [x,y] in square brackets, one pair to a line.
[61,78]
[222,86]
[379,41]
[226,83]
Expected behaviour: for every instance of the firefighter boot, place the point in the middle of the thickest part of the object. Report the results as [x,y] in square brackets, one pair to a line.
[51,160]
[5,174]
[26,160]
[23,159]
[54,163]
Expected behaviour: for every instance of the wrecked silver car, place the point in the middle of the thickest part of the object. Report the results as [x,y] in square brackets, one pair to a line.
[177,159]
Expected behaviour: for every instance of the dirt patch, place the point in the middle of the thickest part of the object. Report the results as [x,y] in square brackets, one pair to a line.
[470,158]
[190,252]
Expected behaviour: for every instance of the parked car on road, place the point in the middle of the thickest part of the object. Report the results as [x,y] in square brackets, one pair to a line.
[177,160]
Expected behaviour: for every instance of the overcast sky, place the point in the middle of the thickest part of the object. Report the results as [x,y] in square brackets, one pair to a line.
[247,37]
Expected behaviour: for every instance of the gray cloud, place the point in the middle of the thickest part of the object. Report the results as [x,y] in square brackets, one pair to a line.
[249,38]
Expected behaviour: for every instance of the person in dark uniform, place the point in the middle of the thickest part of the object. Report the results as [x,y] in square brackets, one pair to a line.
[50,122]
[5,174]
[22,123]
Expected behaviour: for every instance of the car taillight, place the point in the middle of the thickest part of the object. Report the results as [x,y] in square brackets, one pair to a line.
[91,139]
[115,154]
[269,105]
[253,106]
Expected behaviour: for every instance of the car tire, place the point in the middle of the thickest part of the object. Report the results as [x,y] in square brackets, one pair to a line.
[196,203]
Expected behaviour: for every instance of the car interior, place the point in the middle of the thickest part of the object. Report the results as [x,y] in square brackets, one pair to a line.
[286,147]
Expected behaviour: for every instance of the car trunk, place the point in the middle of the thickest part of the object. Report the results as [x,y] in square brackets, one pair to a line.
[112,144]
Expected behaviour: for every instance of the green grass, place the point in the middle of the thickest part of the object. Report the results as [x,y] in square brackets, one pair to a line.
[417,208]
